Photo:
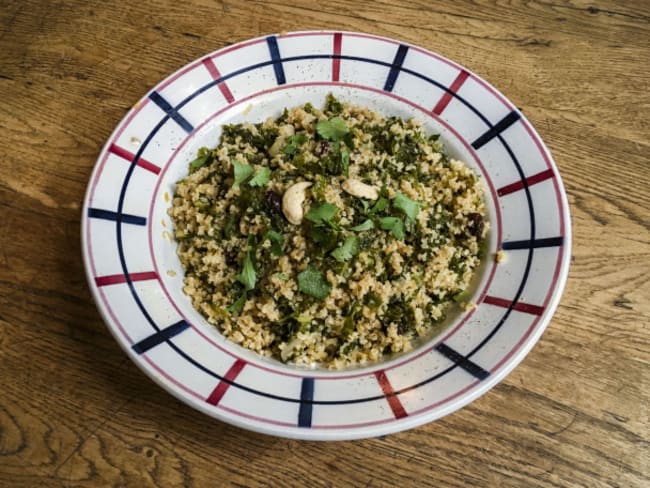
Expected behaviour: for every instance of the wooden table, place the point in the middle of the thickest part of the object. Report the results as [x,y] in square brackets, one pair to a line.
[74,411]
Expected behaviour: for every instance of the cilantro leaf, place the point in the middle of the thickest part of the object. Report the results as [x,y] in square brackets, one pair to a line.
[332,129]
[406,205]
[322,214]
[295,141]
[366,225]
[261,178]
[347,250]
[247,277]
[395,225]
[312,282]
[198,163]
[277,240]
[238,305]
[241,172]
[379,206]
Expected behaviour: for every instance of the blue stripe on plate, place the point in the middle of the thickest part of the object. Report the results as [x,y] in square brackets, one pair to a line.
[171,111]
[159,337]
[469,366]
[272,41]
[498,128]
[306,405]
[98,213]
[396,67]
[528,244]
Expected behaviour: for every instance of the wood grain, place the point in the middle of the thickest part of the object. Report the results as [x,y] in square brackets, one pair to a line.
[74,411]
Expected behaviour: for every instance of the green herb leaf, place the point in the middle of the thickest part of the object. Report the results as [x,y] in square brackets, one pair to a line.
[366,225]
[345,160]
[247,277]
[261,178]
[379,206]
[277,240]
[349,324]
[295,142]
[238,305]
[347,250]
[241,172]
[406,205]
[332,129]
[395,225]
[282,276]
[198,163]
[325,237]
[312,282]
[322,214]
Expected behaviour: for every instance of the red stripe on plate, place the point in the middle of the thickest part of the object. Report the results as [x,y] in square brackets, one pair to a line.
[124,154]
[120,278]
[393,400]
[446,98]
[519,306]
[531,180]
[336,62]
[214,72]
[220,390]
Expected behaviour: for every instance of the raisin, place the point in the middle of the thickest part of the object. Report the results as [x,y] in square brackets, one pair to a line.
[231,257]
[273,201]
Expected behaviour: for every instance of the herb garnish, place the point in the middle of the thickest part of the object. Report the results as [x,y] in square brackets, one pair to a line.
[406,205]
[365,225]
[323,214]
[333,129]
[294,142]
[347,250]
[312,282]
[241,172]
[247,277]
[238,305]
[261,178]
[395,225]
[277,240]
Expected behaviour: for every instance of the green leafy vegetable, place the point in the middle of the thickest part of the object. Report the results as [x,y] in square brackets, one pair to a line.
[395,225]
[238,305]
[203,156]
[261,178]
[379,206]
[322,214]
[312,282]
[345,161]
[247,277]
[349,324]
[333,129]
[241,172]
[406,205]
[198,163]
[325,237]
[365,225]
[295,142]
[347,250]
[282,276]
[277,240]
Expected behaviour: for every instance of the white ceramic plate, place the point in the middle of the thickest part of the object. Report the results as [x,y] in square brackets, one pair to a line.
[136,277]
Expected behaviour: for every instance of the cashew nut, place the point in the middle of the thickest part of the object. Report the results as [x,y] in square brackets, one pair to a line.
[359,189]
[292,201]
